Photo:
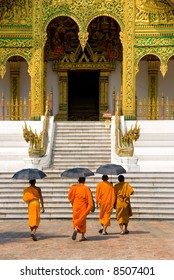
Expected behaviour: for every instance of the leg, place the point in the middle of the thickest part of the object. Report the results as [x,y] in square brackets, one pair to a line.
[121,228]
[83,237]
[33,231]
[126,230]
[101,229]
[104,230]
[74,235]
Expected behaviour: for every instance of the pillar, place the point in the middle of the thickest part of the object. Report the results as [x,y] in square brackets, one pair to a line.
[37,63]
[63,97]
[127,38]
[103,98]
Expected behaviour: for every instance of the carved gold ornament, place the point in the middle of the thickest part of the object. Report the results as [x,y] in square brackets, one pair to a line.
[37,143]
[124,141]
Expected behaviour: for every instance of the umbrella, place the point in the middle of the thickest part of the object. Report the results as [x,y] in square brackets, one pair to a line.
[110,169]
[77,172]
[29,174]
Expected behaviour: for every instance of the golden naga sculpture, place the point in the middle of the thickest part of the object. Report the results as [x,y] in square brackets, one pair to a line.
[38,143]
[124,142]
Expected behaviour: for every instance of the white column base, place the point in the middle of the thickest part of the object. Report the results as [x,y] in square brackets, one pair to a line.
[32,162]
[129,163]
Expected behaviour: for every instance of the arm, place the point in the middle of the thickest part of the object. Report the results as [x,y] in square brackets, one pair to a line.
[41,200]
[97,195]
[90,200]
[71,194]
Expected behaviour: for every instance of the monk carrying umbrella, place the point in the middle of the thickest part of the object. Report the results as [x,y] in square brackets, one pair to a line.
[33,196]
[80,196]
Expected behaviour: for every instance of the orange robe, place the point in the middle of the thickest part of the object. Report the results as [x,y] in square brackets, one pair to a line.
[80,197]
[31,196]
[123,192]
[105,198]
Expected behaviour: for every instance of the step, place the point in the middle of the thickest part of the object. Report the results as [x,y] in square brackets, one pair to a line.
[153,191]
[162,144]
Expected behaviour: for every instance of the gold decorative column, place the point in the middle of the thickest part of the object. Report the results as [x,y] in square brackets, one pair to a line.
[14,80]
[45,94]
[152,87]
[2,63]
[37,64]
[14,89]
[103,98]
[63,97]
[127,38]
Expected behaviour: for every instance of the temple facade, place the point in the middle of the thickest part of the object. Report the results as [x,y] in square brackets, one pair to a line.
[83,56]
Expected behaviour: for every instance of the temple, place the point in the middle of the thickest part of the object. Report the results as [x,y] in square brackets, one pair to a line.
[83,83]
[82,54]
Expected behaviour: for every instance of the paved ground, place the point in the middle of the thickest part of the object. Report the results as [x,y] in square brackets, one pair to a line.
[147,240]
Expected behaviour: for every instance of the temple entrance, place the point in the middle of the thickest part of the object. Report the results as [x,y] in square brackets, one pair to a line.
[83,95]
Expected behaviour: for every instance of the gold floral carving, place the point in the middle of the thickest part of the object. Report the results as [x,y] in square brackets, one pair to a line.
[62,2]
[37,65]
[147,40]
[2,70]
[83,38]
[154,12]
[163,68]
[16,12]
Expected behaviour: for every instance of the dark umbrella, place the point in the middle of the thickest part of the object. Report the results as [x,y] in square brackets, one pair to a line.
[29,174]
[77,172]
[110,169]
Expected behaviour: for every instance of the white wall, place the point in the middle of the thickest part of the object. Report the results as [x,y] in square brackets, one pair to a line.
[114,83]
[25,81]
[165,84]
[52,83]
[142,81]
[5,83]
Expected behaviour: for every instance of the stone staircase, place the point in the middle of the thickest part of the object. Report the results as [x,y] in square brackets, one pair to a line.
[153,197]
[155,147]
[13,148]
[83,144]
[86,144]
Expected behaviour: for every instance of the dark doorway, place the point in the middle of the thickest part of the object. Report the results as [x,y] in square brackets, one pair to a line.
[83,95]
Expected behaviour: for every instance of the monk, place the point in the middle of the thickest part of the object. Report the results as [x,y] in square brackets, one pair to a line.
[123,191]
[105,199]
[33,196]
[80,197]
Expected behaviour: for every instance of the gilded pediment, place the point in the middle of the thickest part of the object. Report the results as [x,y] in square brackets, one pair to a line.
[16,12]
[79,56]
[154,12]
[86,59]
[102,43]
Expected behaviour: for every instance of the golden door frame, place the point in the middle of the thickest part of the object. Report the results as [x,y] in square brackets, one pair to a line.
[62,70]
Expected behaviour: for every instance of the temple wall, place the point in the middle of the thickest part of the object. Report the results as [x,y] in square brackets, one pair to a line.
[5,83]
[165,84]
[24,80]
[53,84]
[114,83]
